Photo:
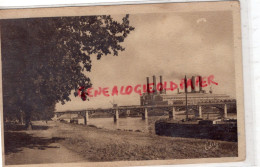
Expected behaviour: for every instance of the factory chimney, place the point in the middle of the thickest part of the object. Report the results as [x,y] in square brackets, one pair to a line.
[147,85]
[154,84]
[193,84]
[200,87]
[161,87]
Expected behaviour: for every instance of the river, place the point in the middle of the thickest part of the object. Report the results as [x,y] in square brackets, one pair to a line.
[128,123]
[136,123]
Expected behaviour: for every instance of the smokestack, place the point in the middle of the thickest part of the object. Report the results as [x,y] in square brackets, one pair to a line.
[193,84]
[200,87]
[161,87]
[154,86]
[147,86]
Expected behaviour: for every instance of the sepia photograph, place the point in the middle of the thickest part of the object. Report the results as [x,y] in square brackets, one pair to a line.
[136,84]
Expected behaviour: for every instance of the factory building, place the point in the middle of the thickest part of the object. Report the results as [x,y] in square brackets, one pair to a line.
[193,97]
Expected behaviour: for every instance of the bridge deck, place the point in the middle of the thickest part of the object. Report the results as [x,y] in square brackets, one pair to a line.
[143,107]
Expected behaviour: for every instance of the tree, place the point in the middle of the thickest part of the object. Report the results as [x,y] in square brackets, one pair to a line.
[44,59]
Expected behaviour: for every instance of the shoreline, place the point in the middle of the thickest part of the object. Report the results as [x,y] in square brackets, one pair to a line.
[95,144]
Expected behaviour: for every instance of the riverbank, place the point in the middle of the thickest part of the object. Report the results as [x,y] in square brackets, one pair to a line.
[95,144]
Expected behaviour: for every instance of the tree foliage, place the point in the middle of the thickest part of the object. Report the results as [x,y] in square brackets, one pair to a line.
[44,59]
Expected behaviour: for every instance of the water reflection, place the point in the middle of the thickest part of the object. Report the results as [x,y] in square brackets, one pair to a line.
[137,124]
[129,123]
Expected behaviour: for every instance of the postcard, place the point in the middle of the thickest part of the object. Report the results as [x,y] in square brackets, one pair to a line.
[122,85]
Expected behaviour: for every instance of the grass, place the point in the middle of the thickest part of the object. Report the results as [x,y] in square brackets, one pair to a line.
[107,145]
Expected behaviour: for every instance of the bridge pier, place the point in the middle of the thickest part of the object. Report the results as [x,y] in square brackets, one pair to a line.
[225,111]
[128,112]
[116,115]
[145,114]
[200,112]
[172,114]
[86,118]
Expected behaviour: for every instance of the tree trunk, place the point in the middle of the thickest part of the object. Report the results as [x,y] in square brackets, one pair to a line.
[21,119]
[28,123]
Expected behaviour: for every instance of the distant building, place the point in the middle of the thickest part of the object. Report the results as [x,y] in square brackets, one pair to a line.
[196,98]
[68,117]
[193,97]
[78,120]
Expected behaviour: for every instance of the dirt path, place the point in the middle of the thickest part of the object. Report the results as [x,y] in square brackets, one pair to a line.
[48,152]
[59,154]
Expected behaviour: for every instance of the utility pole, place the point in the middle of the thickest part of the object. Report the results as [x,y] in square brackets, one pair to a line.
[186,99]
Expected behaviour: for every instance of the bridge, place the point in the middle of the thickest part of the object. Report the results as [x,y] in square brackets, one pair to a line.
[144,109]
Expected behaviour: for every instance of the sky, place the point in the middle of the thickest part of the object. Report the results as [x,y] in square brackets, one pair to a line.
[169,44]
